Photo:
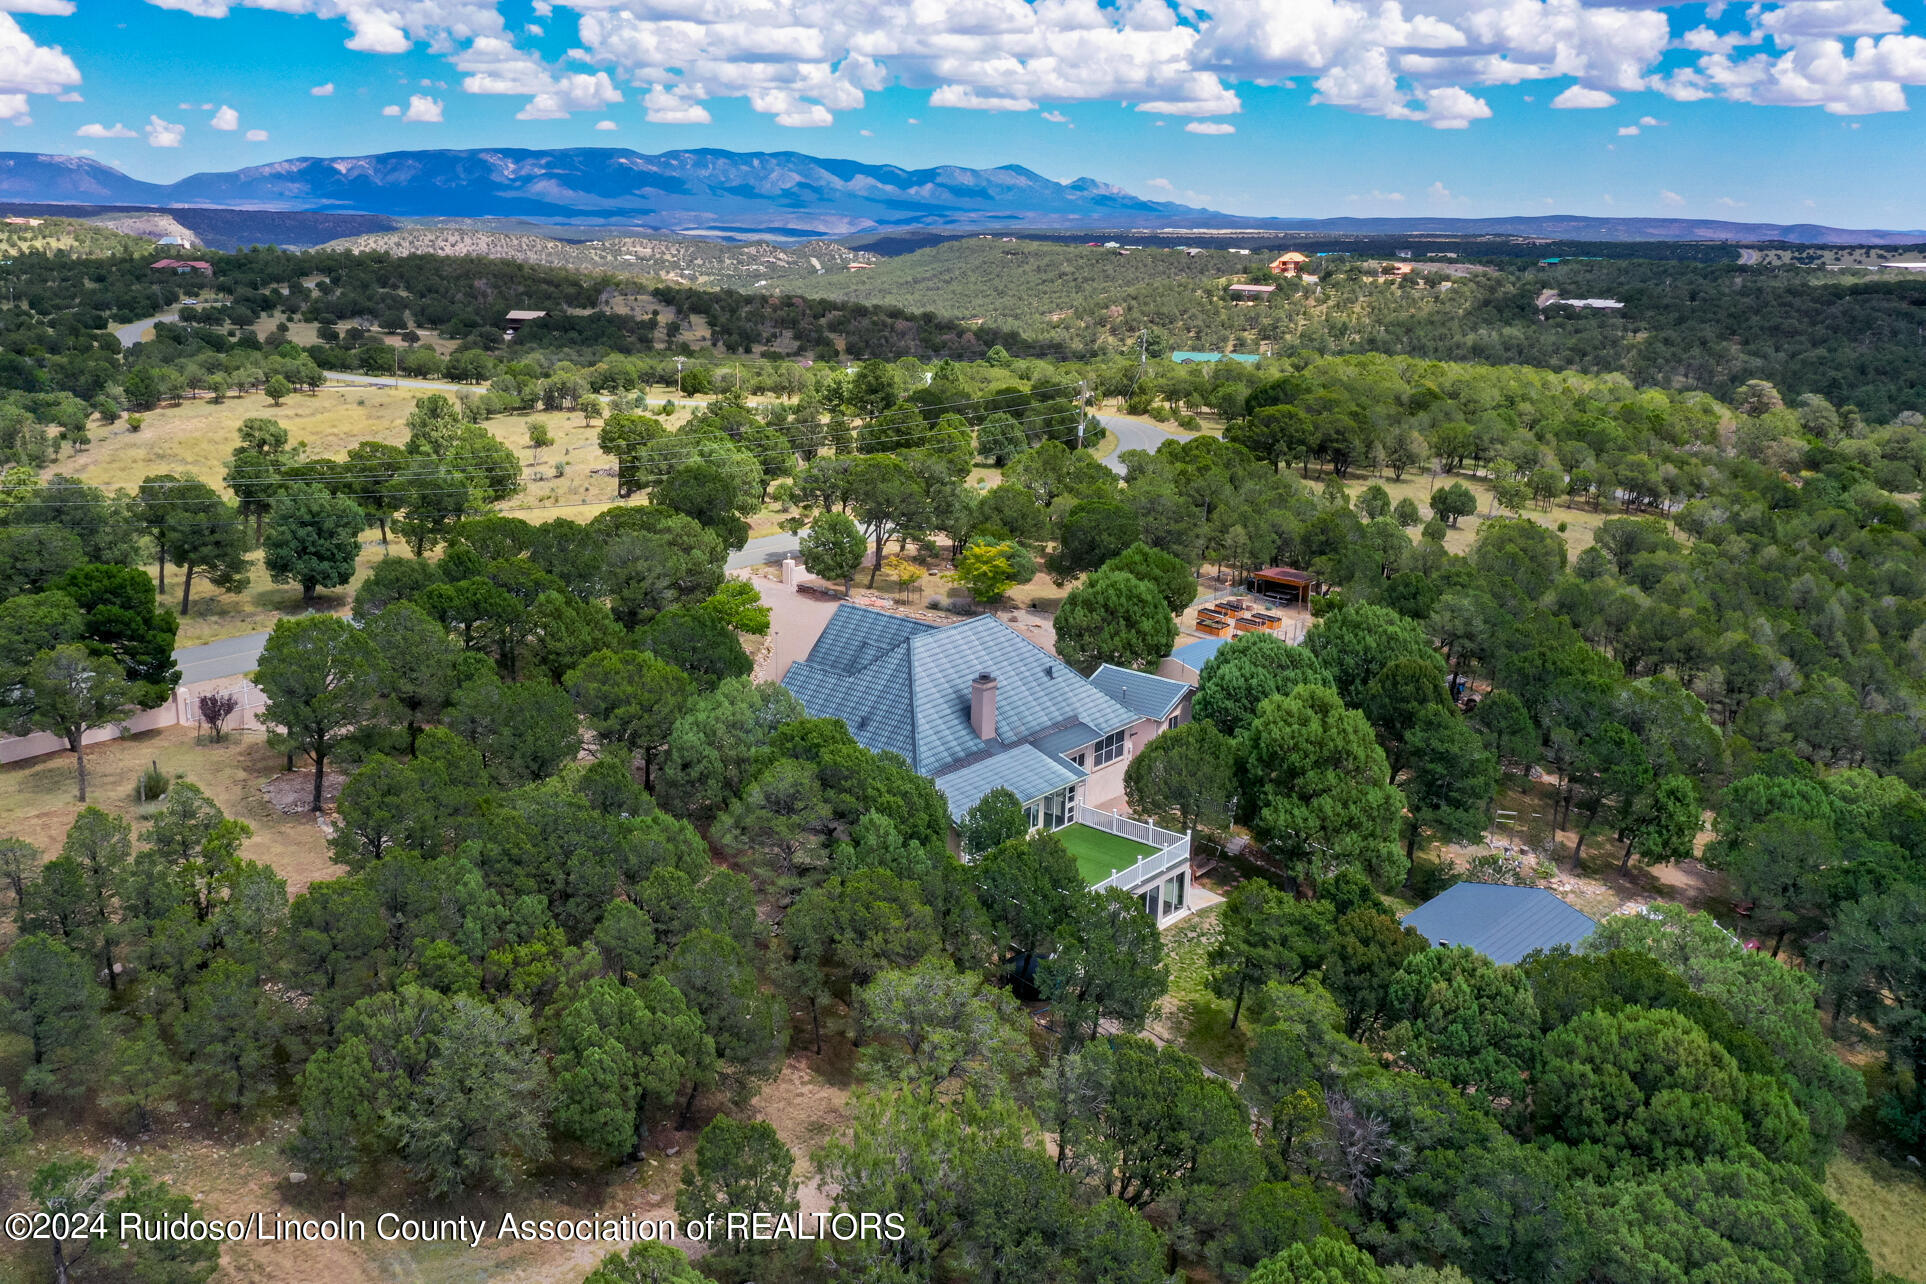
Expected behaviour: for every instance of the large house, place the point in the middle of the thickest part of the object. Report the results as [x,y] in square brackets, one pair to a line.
[977,706]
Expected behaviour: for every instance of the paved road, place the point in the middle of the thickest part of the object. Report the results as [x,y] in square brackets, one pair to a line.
[227,658]
[129,335]
[766,548]
[1135,434]
[1748,257]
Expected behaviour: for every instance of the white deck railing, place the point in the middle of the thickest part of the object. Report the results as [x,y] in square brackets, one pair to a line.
[1172,851]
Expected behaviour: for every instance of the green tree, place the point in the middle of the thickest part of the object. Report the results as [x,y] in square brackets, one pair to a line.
[985,569]
[645,1263]
[1356,644]
[1316,788]
[1113,618]
[931,1027]
[1253,945]
[1473,1023]
[1109,966]
[52,1002]
[992,820]
[313,539]
[1366,952]
[740,1167]
[1094,532]
[1397,698]
[1186,777]
[100,846]
[621,1055]
[1876,954]
[69,693]
[203,536]
[1452,778]
[320,675]
[833,548]
[1245,672]
[1318,1261]
[1452,502]
[231,1027]
[416,665]
[1163,571]
[631,700]
[124,624]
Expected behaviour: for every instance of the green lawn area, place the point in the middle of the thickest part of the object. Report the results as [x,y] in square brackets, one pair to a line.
[1099,855]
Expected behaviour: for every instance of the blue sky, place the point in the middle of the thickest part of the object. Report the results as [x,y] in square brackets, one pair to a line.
[1785,112]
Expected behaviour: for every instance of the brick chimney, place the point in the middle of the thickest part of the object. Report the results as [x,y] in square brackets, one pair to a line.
[983,706]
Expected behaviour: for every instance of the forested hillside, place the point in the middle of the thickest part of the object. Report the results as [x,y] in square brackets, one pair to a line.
[596,920]
[1853,338]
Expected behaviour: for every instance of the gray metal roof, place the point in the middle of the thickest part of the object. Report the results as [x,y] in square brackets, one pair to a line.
[1502,923]
[1025,771]
[904,686]
[1198,654]
[1142,693]
[1064,739]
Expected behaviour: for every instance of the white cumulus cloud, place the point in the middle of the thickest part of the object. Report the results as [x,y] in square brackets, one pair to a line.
[1209,127]
[101,131]
[606,124]
[225,118]
[1627,131]
[161,134]
[391,110]
[422,110]
[256,135]
[1671,198]
[322,91]
[1582,96]
[801,62]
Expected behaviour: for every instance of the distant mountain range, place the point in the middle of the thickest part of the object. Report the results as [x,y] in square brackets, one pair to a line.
[731,195]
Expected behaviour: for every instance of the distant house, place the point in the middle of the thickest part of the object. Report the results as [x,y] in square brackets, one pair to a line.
[1205,358]
[518,318]
[859,267]
[1601,304]
[977,706]
[181,267]
[1897,267]
[17,221]
[1500,922]
[1288,263]
[1253,291]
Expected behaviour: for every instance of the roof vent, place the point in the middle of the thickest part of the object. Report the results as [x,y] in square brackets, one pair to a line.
[1050,671]
[862,722]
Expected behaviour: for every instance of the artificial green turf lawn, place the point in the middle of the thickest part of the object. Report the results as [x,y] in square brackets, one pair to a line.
[1099,855]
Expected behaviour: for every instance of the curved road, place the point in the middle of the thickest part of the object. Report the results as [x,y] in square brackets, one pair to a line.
[129,335]
[1135,434]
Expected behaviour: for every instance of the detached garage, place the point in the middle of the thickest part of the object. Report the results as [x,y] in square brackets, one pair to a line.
[1500,922]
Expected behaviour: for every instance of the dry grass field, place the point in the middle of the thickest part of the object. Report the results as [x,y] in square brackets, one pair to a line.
[37,797]
[1888,1202]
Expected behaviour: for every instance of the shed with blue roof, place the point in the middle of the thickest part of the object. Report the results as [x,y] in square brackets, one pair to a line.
[1502,923]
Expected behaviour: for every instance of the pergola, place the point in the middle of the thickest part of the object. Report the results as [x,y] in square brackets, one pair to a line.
[1284,582]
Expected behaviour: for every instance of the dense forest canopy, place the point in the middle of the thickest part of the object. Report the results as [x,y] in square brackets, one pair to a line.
[595,886]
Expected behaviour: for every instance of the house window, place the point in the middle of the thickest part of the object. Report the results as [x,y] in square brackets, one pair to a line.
[1174,892]
[1151,899]
[1053,810]
[1110,748]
